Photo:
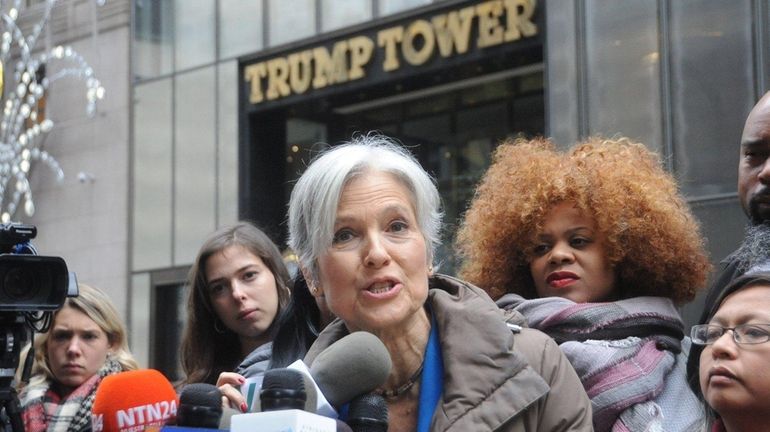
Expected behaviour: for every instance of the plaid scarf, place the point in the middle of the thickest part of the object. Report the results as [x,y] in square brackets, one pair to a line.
[43,409]
[623,352]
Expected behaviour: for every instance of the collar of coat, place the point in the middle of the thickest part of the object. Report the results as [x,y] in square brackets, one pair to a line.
[482,371]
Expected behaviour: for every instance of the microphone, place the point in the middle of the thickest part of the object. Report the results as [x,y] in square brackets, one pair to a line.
[133,401]
[282,399]
[368,413]
[311,401]
[311,397]
[282,389]
[200,406]
[354,365]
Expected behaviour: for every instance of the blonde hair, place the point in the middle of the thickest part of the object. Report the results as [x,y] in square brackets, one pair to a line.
[95,304]
[651,237]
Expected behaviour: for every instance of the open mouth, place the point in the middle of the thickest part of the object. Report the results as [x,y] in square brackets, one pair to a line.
[380,287]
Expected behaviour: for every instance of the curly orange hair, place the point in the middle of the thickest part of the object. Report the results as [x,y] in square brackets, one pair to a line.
[651,237]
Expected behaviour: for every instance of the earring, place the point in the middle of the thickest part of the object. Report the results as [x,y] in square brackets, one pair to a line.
[430,270]
[217,328]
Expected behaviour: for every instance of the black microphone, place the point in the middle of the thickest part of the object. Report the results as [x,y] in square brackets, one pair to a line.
[282,389]
[200,406]
[282,400]
[368,413]
[354,365]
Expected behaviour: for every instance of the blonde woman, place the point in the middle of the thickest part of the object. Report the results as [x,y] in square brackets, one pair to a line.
[86,342]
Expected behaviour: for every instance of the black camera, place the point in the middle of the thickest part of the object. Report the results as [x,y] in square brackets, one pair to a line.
[31,288]
[30,282]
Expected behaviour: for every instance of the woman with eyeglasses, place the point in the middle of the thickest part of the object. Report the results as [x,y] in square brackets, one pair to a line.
[734,373]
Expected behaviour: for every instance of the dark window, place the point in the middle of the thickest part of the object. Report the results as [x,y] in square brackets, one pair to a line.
[169,316]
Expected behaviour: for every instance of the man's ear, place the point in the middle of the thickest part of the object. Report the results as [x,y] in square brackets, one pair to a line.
[312,285]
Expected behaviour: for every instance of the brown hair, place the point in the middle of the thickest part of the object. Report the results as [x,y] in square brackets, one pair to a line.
[651,237]
[206,353]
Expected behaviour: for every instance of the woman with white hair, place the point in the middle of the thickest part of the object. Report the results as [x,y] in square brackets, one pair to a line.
[364,220]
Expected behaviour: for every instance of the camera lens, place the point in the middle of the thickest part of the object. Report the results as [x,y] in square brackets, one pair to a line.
[20,283]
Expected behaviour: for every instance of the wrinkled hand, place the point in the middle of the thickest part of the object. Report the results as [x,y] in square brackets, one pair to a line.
[228,383]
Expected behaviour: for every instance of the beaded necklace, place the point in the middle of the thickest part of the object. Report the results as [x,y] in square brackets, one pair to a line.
[403,388]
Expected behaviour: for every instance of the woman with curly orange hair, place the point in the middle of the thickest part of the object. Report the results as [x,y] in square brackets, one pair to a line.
[594,246]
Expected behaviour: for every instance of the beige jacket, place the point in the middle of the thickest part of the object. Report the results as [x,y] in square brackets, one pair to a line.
[496,378]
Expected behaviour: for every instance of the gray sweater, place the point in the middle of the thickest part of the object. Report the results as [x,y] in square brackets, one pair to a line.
[255,364]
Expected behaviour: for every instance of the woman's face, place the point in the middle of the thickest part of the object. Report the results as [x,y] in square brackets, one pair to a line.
[375,274]
[77,348]
[244,294]
[569,258]
[735,379]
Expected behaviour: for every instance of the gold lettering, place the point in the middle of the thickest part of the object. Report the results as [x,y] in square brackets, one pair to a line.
[330,69]
[388,38]
[361,48]
[453,30]
[278,78]
[253,75]
[490,31]
[300,71]
[413,55]
[347,60]
[519,19]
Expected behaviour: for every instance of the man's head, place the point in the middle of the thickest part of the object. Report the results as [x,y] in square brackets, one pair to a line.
[754,168]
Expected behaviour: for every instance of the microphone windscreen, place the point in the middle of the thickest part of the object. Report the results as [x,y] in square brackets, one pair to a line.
[200,406]
[282,389]
[350,367]
[368,413]
[132,401]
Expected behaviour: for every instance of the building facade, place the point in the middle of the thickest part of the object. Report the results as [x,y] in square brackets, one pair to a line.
[85,217]
[214,106]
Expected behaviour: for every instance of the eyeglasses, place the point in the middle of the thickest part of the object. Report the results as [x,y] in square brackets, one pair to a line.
[744,334]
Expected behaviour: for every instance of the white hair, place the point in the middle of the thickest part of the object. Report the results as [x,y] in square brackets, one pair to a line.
[314,200]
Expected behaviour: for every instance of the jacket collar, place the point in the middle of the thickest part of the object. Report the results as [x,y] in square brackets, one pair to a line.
[485,380]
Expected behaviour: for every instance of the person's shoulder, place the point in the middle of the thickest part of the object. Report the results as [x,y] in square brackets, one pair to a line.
[536,347]
[33,391]
[566,406]
[457,290]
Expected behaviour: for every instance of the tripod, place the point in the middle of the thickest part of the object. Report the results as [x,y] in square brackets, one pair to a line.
[12,338]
